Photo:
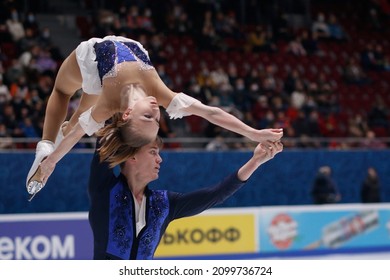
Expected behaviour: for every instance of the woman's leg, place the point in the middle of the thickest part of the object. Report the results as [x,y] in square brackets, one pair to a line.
[68,81]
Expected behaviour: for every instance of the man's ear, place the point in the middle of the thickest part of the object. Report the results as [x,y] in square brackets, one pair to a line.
[126,114]
[131,160]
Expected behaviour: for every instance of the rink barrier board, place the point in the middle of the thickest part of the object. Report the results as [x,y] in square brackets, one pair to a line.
[221,233]
[285,180]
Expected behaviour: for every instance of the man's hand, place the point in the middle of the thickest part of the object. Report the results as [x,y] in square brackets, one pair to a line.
[266,151]
[262,153]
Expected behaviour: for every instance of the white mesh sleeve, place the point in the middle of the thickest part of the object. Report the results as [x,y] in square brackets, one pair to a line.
[176,108]
[89,125]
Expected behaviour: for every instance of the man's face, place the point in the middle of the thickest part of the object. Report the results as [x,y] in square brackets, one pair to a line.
[147,162]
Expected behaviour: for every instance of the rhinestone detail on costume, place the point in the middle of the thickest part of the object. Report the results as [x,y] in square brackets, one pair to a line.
[111,53]
[120,237]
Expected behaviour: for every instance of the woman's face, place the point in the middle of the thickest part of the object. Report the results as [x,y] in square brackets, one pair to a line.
[145,116]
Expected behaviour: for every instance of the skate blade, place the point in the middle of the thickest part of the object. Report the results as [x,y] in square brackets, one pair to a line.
[33,188]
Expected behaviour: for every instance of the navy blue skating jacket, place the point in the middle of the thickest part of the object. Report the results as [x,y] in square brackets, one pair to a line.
[112,219]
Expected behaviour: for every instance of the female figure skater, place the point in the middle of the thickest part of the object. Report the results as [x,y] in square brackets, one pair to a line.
[116,75]
[128,219]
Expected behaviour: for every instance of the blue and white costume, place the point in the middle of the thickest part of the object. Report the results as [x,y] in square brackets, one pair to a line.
[98,58]
[113,215]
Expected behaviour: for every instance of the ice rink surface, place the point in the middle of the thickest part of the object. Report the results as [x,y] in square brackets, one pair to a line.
[362,256]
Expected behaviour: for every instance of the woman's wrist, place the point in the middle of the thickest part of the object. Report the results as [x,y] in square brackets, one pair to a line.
[251,133]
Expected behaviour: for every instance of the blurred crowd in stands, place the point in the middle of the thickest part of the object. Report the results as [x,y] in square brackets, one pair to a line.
[326,78]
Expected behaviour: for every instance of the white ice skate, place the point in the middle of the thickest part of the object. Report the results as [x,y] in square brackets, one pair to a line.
[44,148]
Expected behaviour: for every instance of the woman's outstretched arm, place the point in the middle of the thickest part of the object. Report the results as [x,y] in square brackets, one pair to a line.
[226,120]
[180,105]
[89,122]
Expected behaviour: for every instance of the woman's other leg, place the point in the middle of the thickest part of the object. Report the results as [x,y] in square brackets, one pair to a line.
[68,81]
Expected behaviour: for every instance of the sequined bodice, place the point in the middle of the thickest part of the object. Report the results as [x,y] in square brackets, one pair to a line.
[111,53]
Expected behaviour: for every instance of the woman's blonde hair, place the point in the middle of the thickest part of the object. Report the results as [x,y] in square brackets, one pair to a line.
[120,140]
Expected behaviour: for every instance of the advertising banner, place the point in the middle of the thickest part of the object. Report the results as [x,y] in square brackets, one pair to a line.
[45,236]
[294,228]
[209,234]
[302,230]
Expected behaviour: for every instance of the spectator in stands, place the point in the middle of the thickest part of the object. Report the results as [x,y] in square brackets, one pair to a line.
[183,24]
[374,19]
[44,62]
[295,47]
[15,27]
[128,219]
[146,24]
[324,189]
[222,26]
[379,57]
[336,31]
[281,28]
[5,95]
[260,107]
[117,28]
[232,73]
[28,56]
[166,130]
[217,144]
[320,26]
[30,22]
[9,118]
[133,20]
[45,37]
[378,116]
[357,126]
[14,71]
[270,80]
[370,189]
[368,58]
[290,81]
[241,97]
[5,137]
[298,96]
[28,128]
[354,74]
[5,35]
[28,41]
[209,38]
[326,100]
[132,89]
[309,42]
[306,127]
[19,90]
[372,142]
[164,76]
[256,40]
[253,81]
[219,76]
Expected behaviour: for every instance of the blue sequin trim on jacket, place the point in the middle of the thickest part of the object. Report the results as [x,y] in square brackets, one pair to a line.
[121,237]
